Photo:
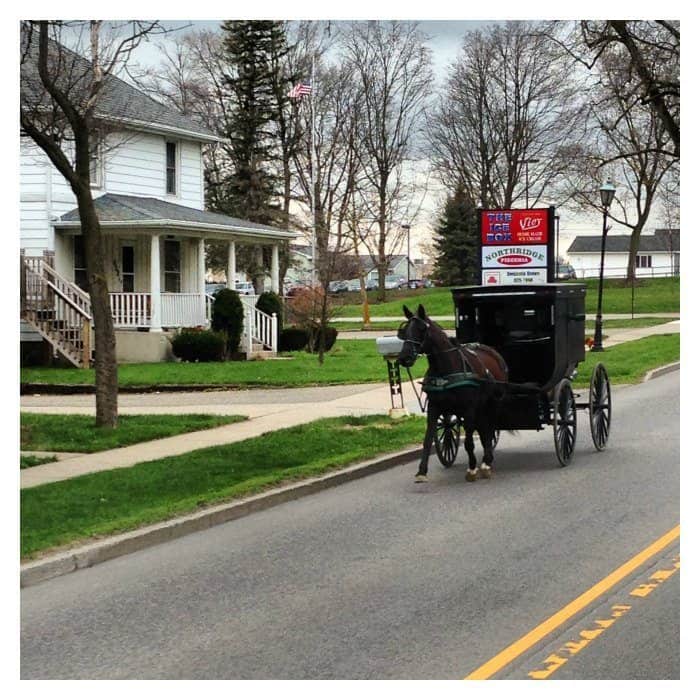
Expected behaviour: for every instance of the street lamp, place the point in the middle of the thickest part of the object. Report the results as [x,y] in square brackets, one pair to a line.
[527,179]
[407,228]
[556,266]
[607,194]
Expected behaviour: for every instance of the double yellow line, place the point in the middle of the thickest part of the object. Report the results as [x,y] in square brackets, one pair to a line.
[550,624]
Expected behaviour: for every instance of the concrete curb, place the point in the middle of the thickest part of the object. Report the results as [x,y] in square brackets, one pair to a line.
[660,371]
[129,542]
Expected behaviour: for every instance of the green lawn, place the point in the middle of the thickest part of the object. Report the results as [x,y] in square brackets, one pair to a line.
[388,326]
[627,363]
[349,362]
[107,502]
[72,433]
[26,461]
[650,296]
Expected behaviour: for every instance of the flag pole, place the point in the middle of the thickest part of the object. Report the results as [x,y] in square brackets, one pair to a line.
[313,183]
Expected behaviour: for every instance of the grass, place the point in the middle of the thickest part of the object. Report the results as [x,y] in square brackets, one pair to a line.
[388,326]
[650,296]
[73,433]
[113,501]
[26,461]
[349,362]
[628,363]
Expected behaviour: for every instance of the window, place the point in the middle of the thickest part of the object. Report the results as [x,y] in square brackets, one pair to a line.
[128,273]
[172,266]
[643,261]
[79,265]
[96,161]
[170,167]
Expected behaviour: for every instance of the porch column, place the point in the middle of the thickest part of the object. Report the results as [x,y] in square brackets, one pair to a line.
[275,269]
[201,263]
[231,269]
[155,284]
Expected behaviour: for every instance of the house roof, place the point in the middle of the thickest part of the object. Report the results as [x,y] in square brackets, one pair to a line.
[368,263]
[120,210]
[663,240]
[118,101]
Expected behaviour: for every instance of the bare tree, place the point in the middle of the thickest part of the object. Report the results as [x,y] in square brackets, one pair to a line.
[61,110]
[631,146]
[509,115]
[392,65]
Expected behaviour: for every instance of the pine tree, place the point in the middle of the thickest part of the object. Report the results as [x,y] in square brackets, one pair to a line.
[248,185]
[456,241]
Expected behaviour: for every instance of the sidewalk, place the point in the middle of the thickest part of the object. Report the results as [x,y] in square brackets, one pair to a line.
[267,409]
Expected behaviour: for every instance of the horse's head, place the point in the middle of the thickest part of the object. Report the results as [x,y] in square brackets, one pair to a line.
[415,336]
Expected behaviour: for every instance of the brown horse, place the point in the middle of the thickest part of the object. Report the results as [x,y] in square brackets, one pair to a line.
[467,381]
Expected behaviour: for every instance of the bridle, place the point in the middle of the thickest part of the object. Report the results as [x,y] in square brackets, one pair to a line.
[402,335]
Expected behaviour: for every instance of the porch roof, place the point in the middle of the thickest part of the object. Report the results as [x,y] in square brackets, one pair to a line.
[126,211]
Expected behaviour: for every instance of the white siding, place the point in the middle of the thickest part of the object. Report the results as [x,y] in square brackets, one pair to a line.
[191,190]
[134,165]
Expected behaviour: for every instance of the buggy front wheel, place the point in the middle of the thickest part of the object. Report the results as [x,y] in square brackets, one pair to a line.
[447,439]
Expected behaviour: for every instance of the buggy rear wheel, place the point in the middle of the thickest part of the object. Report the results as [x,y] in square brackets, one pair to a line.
[564,421]
[600,407]
[447,439]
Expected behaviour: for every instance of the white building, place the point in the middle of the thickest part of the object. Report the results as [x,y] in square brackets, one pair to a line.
[149,195]
[659,255]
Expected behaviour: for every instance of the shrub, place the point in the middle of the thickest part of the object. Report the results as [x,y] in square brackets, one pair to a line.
[199,345]
[227,316]
[270,303]
[331,334]
[293,338]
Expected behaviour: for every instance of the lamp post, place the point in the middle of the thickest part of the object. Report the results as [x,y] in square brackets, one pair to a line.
[556,265]
[607,193]
[526,161]
[407,228]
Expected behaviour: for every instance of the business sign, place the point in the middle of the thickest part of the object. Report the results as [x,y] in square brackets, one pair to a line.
[514,256]
[517,246]
[500,226]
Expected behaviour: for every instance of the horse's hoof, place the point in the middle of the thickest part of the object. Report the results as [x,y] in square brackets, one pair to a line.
[472,474]
[485,471]
[420,478]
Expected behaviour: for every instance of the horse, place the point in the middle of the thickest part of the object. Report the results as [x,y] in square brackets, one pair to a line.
[479,373]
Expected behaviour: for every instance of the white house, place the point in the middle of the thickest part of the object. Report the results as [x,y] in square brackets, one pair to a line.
[149,194]
[659,255]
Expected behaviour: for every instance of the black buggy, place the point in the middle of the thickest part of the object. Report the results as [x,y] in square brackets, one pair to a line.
[539,331]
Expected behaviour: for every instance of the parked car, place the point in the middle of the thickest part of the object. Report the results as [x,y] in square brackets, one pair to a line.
[245,288]
[416,284]
[338,286]
[212,288]
[353,286]
[392,282]
[371,284]
[566,272]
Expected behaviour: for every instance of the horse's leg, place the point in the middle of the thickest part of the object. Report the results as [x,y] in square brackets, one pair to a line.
[486,435]
[433,413]
[472,473]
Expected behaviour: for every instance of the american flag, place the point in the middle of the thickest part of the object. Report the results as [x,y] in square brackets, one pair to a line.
[299,90]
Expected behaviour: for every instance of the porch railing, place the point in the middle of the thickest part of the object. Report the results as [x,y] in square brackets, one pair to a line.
[131,309]
[182,309]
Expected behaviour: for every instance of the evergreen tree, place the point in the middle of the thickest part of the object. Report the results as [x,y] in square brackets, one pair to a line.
[456,241]
[247,184]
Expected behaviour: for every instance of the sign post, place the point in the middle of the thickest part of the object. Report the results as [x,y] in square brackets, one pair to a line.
[516,246]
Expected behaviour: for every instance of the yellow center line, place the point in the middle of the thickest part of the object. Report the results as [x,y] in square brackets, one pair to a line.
[542,630]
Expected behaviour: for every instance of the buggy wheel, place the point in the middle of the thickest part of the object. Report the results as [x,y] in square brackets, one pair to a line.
[600,407]
[564,421]
[447,439]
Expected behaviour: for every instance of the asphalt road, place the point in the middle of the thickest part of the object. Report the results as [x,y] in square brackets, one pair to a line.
[382,578]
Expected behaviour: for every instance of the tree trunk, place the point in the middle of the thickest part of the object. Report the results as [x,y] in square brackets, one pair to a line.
[106,381]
